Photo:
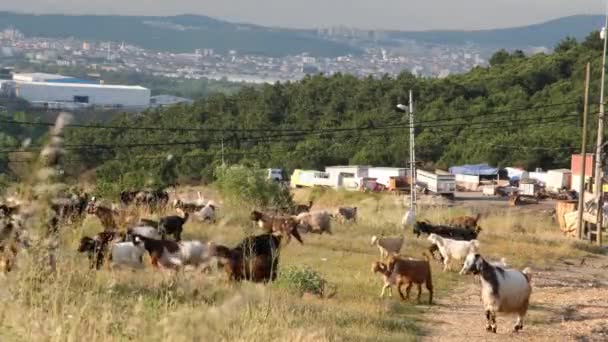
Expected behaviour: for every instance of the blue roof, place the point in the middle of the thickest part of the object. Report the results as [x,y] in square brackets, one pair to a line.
[474,170]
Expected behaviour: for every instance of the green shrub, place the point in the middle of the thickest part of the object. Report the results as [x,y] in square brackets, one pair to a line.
[242,184]
[300,280]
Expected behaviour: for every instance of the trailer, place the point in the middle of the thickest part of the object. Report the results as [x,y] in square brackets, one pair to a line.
[383,175]
[440,183]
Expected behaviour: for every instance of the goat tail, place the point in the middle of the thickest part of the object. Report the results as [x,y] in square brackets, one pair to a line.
[475,245]
[527,273]
[503,260]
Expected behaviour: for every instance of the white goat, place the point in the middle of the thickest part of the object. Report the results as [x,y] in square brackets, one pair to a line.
[128,254]
[453,249]
[502,290]
[502,263]
[147,231]
[387,245]
[207,213]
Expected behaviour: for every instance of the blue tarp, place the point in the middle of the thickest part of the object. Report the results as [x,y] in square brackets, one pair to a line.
[474,170]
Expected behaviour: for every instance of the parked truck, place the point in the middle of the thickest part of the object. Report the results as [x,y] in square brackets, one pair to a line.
[441,183]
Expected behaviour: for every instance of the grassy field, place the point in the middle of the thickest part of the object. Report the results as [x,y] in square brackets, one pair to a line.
[77,304]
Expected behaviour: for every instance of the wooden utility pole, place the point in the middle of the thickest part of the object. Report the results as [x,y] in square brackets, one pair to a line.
[581,195]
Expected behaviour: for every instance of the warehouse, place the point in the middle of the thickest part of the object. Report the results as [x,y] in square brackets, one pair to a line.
[118,96]
[58,91]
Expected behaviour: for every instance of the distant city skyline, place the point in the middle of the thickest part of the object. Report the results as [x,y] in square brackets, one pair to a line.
[366,14]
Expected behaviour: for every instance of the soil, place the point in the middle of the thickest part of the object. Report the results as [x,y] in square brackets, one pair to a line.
[568,303]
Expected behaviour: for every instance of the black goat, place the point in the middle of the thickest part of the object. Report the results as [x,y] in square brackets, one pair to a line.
[255,259]
[97,246]
[172,225]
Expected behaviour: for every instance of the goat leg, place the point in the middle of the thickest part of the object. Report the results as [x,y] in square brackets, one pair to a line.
[519,324]
[407,290]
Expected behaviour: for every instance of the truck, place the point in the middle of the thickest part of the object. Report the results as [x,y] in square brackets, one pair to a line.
[438,182]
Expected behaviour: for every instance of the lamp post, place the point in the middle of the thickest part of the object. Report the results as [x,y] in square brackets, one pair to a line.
[410,216]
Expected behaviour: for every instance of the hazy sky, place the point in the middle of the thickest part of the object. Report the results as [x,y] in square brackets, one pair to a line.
[393,14]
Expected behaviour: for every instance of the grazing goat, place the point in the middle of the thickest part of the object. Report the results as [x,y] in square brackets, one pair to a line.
[347,214]
[502,290]
[315,222]
[302,208]
[256,258]
[97,246]
[469,222]
[284,226]
[387,245]
[410,271]
[172,225]
[104,214]
[206,213]
[188,207]
[171,254]
[453,249]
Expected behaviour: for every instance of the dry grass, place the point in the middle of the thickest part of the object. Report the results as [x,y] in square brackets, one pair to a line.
[78,304]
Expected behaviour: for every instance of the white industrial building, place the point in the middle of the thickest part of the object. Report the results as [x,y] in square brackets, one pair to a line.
[57,91]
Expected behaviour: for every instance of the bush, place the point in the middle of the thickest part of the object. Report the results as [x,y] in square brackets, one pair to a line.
[240,184]
[300,280]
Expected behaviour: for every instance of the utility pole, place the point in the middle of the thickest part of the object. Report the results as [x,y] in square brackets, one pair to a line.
[412,159]
[581,194]
[223,161]
[600,136]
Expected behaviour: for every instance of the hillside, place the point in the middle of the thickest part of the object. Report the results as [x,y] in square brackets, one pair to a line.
[545,34]
[179,33]
[185,33]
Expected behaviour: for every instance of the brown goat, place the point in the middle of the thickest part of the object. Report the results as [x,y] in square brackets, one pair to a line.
[161,251]
[409,271]
[469,222]
[281,225]
[256,258]
[104,214]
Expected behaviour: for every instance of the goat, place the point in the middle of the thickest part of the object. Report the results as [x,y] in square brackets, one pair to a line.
[388,277]
[104,214]
[256,258]
[453,249]
[97,246]
[284,226]
[171,254]
[469,222]
[316,222]
[410,271]
[128,253]
[189,207]
[446,232]
[502,290]
[302,208]
[387,245]
[172,225]
[147,231]
[345,214]
[207,213]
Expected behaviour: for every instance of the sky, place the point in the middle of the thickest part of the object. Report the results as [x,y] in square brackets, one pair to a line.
[368,14]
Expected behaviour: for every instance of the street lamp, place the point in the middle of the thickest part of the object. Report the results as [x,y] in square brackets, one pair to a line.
[410,216]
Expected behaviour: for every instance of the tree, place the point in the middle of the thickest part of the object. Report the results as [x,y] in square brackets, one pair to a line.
[500,57]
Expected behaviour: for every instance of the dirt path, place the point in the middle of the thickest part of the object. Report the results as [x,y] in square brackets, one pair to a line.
[569,303]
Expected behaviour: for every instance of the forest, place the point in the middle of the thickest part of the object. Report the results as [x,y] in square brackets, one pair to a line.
[519,111]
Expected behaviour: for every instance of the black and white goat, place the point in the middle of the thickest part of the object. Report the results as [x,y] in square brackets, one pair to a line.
[503,290]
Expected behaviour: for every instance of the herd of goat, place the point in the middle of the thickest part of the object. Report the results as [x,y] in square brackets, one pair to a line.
[256,258]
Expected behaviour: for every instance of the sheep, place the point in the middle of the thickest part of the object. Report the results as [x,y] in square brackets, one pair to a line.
[469,222]
[503,290]
[453,249]
[387,245]
[256,258]
[171,254]
[284,226]
[410,271]
[345,214]
[315,222]
[173,225]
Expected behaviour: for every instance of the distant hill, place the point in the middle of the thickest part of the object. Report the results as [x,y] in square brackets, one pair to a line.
[546,34]
[183,33]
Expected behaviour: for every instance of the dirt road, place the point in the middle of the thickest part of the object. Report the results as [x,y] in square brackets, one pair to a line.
[569,303]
